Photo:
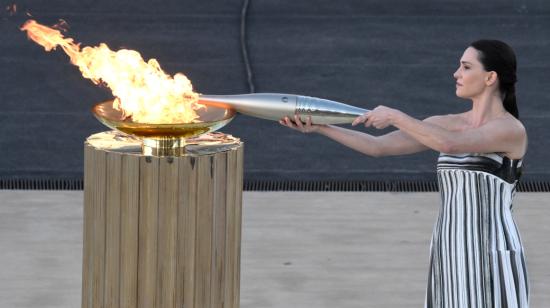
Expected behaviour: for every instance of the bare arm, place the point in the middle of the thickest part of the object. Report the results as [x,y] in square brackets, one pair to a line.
[499,135]
[504,135]
[393,143]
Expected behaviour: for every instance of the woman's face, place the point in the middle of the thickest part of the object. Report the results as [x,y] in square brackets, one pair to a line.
[470,76]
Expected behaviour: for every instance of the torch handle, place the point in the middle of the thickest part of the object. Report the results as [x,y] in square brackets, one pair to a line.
[275,106]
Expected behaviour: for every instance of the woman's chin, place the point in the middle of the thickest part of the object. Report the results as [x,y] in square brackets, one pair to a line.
[459,94]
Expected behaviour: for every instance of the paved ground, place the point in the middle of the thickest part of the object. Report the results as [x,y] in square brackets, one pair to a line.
[299,249]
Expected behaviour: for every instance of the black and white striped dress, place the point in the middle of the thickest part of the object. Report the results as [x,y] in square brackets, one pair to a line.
[476,257]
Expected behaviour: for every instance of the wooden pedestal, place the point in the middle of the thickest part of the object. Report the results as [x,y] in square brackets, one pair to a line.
[161,231]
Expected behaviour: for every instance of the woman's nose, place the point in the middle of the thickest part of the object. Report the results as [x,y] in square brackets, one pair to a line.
[456,74]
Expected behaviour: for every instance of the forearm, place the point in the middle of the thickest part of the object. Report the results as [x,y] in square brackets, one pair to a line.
[361,142]
[430,135]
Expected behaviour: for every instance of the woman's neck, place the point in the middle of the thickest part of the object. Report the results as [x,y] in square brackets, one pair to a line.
[486,107]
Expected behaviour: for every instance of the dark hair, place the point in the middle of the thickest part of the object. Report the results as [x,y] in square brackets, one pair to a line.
[499,57]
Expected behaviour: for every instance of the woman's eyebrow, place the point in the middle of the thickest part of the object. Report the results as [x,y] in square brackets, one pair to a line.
[465,62]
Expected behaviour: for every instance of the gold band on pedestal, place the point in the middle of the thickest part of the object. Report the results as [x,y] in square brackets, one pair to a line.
[163,146]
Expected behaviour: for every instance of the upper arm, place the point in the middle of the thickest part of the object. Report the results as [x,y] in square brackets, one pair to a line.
[400,143]
[497,136]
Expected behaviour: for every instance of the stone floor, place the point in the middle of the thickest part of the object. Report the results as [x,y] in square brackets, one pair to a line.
[299,249]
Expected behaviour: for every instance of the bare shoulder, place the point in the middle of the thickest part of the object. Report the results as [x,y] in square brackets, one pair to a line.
[516,132]
[512,121]
[449,121]
[507,129]
[508,124]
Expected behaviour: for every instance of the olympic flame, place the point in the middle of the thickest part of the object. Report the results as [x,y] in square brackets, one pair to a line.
[142,90]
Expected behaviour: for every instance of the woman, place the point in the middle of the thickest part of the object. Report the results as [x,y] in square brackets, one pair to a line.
[476,257]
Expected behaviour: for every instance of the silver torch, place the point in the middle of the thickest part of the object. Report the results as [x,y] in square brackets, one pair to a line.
[275,106]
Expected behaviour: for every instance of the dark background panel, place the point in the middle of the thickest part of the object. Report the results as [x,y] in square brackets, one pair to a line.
[122,9]
[366,53]
[402,61]
[402,7]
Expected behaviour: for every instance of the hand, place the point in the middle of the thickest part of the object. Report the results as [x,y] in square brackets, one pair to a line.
[380,117]
[299,126]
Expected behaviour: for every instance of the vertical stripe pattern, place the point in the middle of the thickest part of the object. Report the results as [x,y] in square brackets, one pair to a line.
[476,258]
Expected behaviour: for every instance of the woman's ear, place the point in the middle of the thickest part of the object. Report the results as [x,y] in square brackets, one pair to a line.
[491,78]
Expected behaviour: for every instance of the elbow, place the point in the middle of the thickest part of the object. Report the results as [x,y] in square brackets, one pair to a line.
[372,152]
[376,154]
[447,146]
[377,150]
[381,152]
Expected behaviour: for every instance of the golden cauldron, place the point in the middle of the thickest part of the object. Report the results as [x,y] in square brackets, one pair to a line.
[164,139]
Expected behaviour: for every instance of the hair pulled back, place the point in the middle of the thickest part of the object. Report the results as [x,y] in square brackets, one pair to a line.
[499,57]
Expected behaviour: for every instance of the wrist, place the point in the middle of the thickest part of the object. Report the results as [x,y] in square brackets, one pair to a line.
[396,117]
[322,129]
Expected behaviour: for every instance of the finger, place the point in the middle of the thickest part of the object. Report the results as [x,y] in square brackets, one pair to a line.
[298,121]
[358,120]
[308,121]
[383,125]
[369,122]
[289,122]
[309,125]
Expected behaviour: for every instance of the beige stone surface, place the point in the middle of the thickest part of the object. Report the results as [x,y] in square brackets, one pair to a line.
[300,249]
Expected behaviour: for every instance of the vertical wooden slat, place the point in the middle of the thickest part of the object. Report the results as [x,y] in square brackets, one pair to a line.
[112,236]
[148,224]
[167,232]
[87,249]
[203,257]
[98,222]
[238,223]
[129,214]
[218,243]
[188,174]
[161,232]
[230,250]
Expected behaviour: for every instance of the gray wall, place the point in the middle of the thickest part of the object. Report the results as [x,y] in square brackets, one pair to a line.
[397,53]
